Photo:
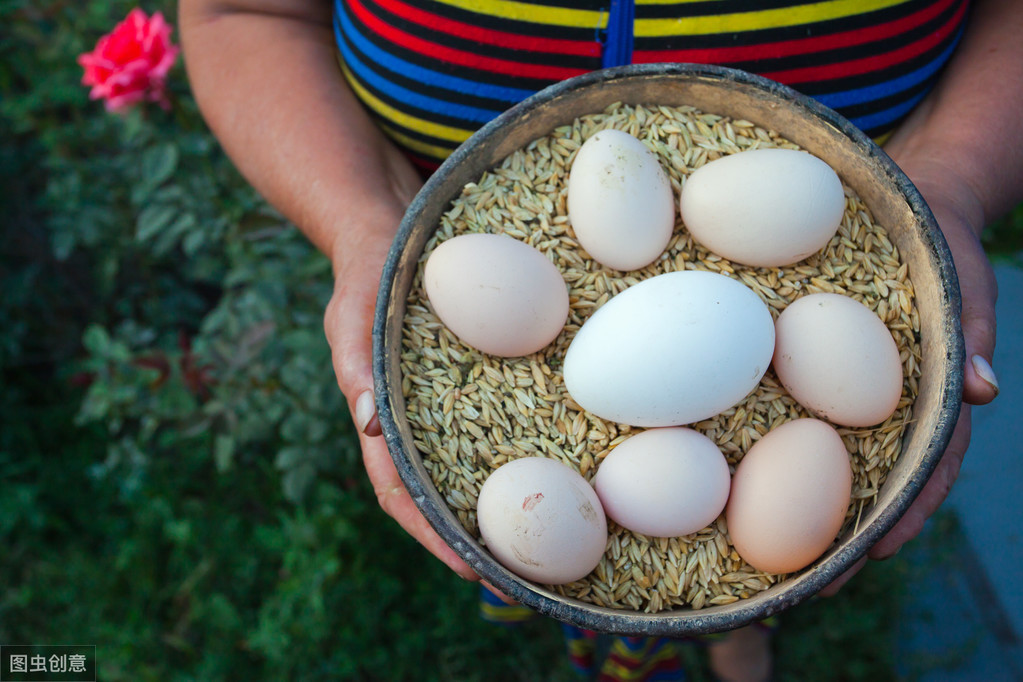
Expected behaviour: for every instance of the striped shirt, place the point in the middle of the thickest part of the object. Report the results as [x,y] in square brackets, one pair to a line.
[434,71]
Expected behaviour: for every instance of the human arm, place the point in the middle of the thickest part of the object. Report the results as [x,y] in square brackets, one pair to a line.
[963,149]
[266,78]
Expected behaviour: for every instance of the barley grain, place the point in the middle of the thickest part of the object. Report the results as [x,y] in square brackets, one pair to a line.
[470,413]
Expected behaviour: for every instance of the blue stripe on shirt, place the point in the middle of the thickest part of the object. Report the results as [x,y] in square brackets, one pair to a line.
[887,117]
[344,31]
[837,100]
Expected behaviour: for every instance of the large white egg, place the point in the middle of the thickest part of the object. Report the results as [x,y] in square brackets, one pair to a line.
[763,207]
[664,482]
[671,350]
[620,202]
[496,294]
[837,358]
[542,520]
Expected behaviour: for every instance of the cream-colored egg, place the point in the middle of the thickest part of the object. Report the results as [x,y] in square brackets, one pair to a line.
[837,358]
[664,482]
[763,207]
[496,293]
[542,520]
[789,496]
[671,350]
[620,202]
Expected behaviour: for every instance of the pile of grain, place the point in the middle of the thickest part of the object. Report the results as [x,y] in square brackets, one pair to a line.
[471,412]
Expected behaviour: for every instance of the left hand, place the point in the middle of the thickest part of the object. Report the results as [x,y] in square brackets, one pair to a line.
[954,210]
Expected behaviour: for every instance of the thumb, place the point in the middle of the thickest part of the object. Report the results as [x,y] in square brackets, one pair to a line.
[348,324]
[960,216]
[979,291]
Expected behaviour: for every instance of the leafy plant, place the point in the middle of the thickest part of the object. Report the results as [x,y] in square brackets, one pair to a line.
[204,331]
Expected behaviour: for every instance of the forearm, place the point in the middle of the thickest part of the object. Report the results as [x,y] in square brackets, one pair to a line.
[265,75]
[966,136]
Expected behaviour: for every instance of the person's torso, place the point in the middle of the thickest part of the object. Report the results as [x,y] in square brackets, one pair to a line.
[434,71]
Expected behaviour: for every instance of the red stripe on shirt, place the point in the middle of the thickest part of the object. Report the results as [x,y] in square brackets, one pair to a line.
[459,57]
[855,67]
[789,48]
[583,48]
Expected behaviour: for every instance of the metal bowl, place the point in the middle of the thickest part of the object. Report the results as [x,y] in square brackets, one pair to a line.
[891,197]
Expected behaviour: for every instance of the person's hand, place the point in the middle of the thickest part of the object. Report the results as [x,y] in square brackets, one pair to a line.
[960,219]
[348,322]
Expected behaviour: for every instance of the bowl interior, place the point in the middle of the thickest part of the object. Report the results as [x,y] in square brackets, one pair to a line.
[894,203]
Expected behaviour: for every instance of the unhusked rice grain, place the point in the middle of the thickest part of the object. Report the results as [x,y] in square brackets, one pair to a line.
[470,412]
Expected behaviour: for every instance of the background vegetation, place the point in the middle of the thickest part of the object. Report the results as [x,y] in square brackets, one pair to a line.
[179,482]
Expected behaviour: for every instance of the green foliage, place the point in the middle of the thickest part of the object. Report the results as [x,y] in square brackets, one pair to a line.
[198,575]
[180,479]
[855,627]
[203,318]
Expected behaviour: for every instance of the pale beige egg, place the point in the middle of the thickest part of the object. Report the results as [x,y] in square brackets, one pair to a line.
[837,358]
[763,207]
[496,294]
[620,201]
[664,482]
[542,520]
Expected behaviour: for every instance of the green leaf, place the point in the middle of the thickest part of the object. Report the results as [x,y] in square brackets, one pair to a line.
[178,531]
[300,427]
[171,234]
[63,243]
[303,340]
[296,482]
[95,406]
[193,241]
[290,457]
[96,340]
[223,452]
[153,219]
[298,375]
[159,163]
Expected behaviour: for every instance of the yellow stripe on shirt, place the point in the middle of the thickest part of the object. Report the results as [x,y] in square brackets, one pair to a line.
[418,146]
[535,14]
[750,21]
[674,2]
[389,113]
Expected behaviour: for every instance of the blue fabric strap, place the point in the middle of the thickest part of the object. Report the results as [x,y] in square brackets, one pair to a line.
[618,42]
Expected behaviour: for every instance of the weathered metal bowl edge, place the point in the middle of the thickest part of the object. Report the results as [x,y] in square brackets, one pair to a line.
[390,302]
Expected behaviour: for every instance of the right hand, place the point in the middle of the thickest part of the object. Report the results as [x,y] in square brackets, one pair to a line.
[348,322]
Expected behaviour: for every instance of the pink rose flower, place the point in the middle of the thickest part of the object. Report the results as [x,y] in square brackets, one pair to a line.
[130,64]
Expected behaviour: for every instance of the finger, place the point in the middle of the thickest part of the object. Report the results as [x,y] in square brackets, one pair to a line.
[833,588]
[347,324]
[396,502]
[499,594]
[933,494]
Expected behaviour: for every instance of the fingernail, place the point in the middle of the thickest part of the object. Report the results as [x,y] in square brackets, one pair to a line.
[983,369]
[364,410]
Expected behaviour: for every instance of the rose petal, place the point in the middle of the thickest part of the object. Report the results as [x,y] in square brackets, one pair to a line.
[130,63]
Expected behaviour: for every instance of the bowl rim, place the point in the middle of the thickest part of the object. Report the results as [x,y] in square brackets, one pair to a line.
[670,622]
